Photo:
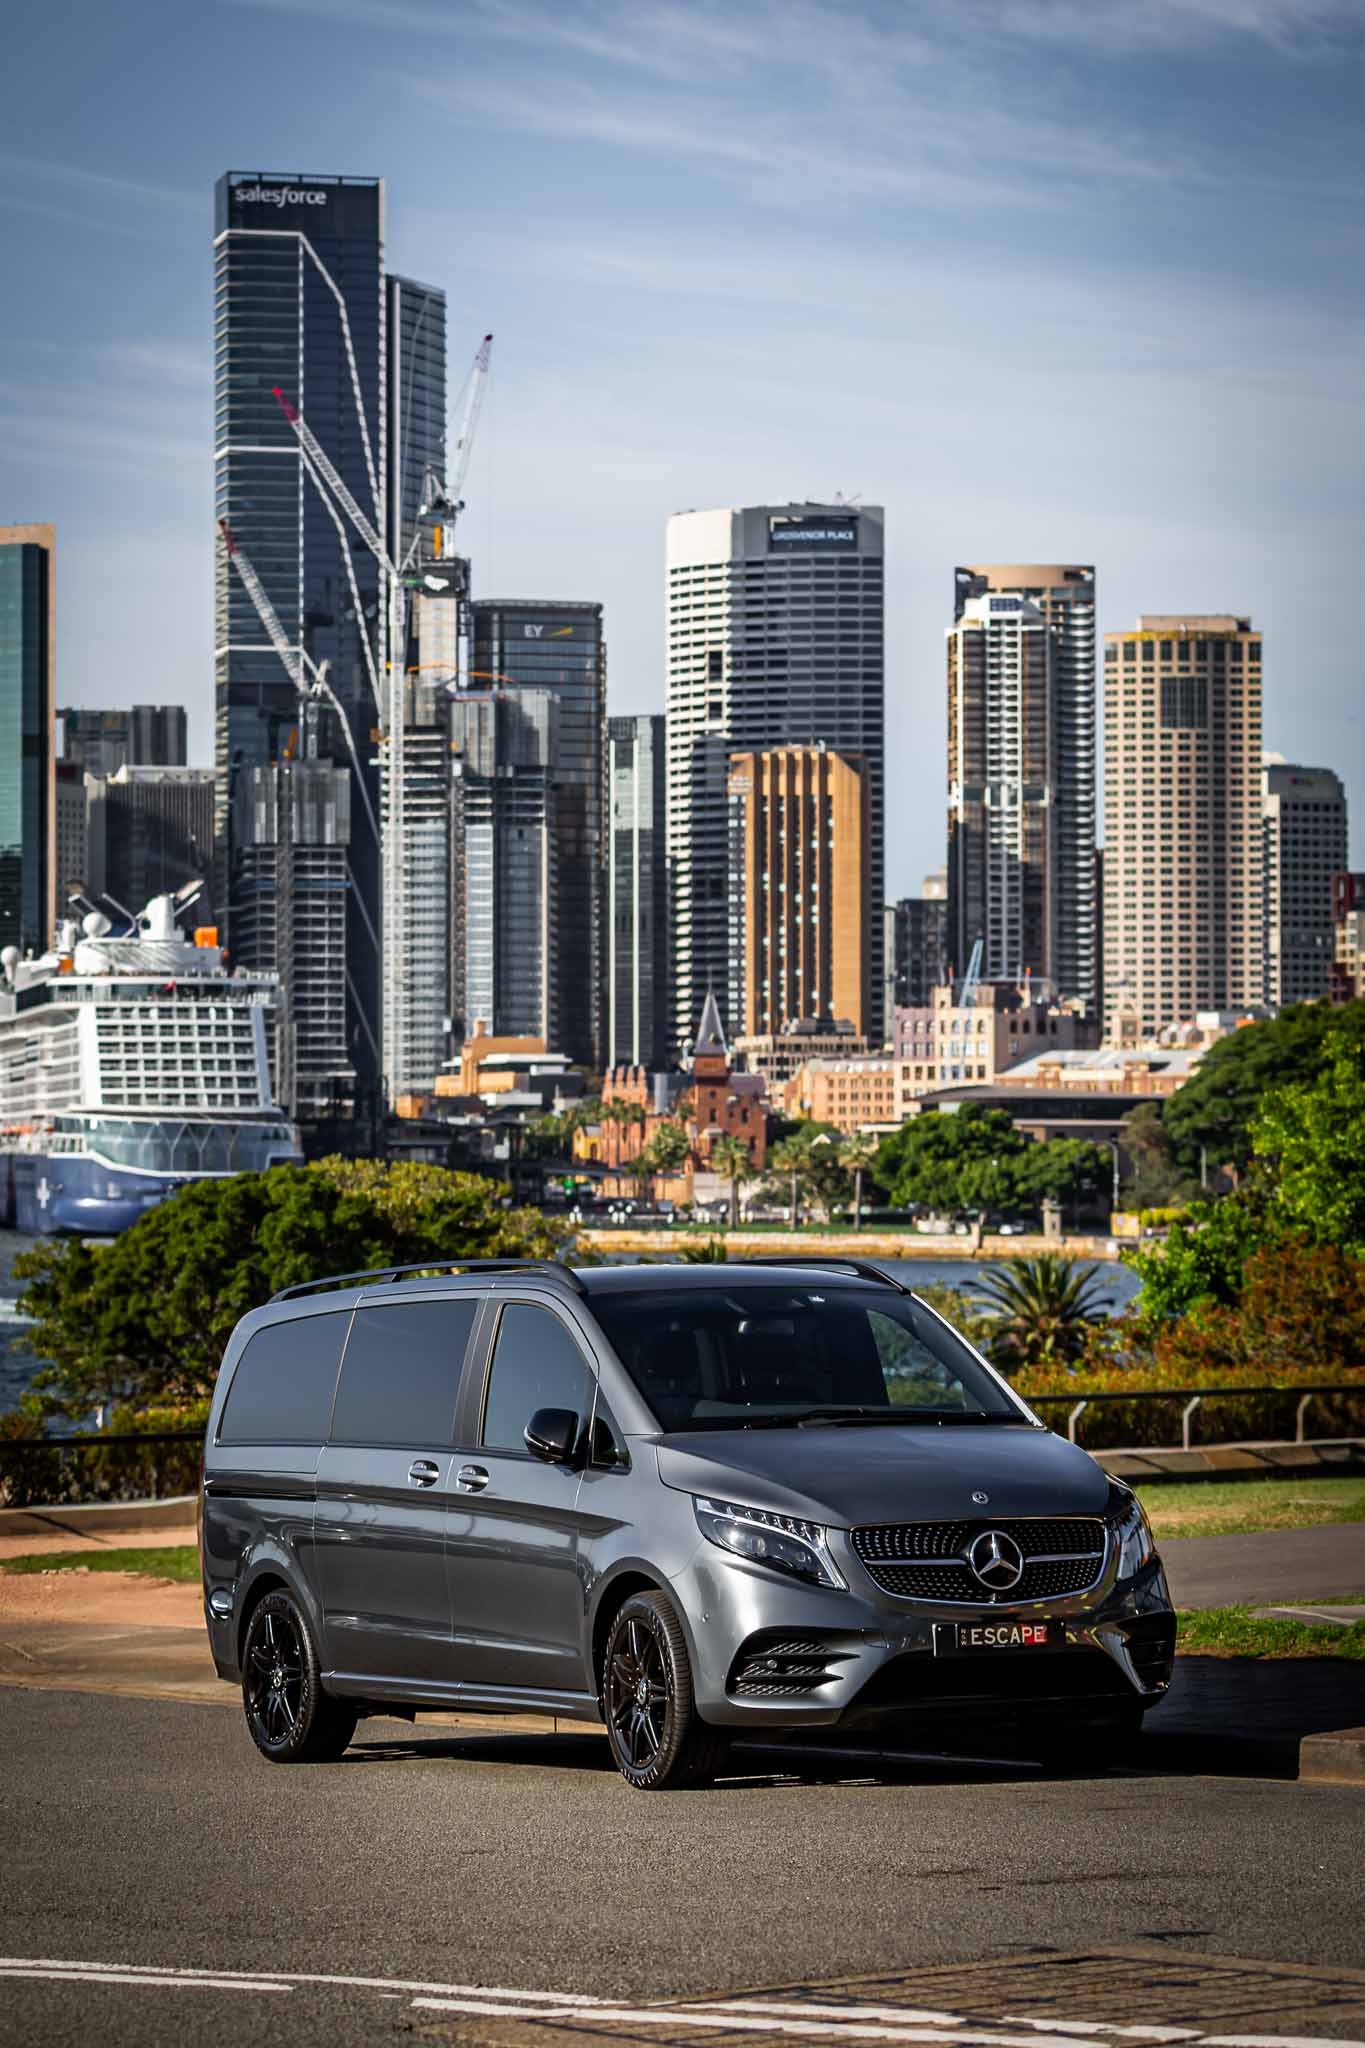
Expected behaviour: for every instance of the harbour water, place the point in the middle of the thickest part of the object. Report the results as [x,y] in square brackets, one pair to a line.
[17,1365]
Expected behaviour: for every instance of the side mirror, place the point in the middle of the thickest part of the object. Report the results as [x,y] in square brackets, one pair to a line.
[552,1434]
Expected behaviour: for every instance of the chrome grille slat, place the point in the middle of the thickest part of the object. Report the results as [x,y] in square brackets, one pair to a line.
[926,1560]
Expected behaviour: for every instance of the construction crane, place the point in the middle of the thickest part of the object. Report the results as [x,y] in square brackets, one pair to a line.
[390,694]
[308,677]
[967,993]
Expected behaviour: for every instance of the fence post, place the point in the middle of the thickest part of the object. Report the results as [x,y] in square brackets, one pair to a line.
[1187,1415]
[1299,1414]
[1073,1418]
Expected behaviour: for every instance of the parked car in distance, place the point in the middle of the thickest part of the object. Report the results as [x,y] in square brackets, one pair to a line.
[692,1502]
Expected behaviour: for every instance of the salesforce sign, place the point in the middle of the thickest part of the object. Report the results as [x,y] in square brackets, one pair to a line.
[278,195]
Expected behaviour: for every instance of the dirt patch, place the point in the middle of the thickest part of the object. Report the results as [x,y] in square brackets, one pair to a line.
[80,1596]
[31,1541]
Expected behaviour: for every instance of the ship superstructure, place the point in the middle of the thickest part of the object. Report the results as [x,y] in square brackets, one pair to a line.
[131,1062]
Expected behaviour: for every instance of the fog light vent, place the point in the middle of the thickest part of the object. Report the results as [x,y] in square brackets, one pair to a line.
[774,1666]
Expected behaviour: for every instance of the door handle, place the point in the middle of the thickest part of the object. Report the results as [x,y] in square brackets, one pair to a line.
[471,1478]
[423,1472]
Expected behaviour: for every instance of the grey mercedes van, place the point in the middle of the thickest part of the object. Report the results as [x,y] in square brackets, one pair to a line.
[689,1502]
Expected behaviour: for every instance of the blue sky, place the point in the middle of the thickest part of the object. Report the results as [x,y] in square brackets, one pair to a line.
[1048,278]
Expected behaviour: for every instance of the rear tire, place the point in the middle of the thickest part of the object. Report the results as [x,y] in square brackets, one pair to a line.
[658,1740]
[290,1718]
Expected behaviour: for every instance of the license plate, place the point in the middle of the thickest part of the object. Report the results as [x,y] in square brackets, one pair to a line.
[957,1638]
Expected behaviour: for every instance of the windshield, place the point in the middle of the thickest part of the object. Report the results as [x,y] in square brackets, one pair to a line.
[748,1357]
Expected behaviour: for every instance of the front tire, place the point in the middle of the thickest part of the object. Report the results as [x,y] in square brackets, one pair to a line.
[658,1740]
[290,1718]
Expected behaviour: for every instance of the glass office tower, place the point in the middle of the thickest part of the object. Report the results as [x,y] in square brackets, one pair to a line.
[522,644]
[28,800]
[299,307]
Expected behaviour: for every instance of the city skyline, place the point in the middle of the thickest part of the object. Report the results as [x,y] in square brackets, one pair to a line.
[1149,307]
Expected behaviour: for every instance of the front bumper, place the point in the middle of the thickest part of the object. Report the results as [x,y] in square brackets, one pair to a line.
[772,1652]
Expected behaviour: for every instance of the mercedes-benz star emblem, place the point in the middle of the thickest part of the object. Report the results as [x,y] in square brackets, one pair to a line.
[996,1560]
[981,1499]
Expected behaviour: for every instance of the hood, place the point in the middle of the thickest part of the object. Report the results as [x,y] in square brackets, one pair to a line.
[883,1474]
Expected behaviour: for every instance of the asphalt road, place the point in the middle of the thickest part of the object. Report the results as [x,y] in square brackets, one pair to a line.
[147,1838]
[1272,1565]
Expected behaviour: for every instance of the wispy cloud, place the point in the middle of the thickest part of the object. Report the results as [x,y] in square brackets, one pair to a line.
[1120,28]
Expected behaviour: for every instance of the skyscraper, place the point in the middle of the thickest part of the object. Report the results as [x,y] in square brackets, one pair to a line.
[775,639]
[506,967]
[798,889]
[526,644]
[1303,813]
[1021,771]
[917,942]
[637,894]
[300,309]
[28,794]
[1183,909]
[143,735]
[148,832]
[416,1000]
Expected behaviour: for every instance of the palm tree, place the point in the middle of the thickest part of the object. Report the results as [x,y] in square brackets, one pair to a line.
[730,1158]
[666,1151]
[792,1156]
[1041,1309]
[856,1153]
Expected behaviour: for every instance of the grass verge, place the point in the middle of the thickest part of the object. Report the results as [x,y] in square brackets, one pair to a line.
[1236,1632]
[1241,1507]
[176,1561]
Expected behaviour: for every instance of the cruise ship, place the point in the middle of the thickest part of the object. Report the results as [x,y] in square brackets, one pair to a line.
[131,1062]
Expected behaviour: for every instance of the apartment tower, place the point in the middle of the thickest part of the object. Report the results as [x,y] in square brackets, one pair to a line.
[775,640]
[1303,812]
[1021,772]
[1183,909]
[798,899]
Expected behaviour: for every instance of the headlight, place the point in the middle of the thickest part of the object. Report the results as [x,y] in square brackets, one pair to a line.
[1132,1531]
[781,1541]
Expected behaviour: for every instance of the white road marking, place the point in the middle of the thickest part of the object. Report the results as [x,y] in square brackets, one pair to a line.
[849,2020]
[161,1980]
[1012,2019]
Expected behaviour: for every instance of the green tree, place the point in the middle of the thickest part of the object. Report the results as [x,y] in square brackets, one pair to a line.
[1312,1136]
[1042,1310]
[145,1317]
[1158,1180]
[1201,1261]
[790,1157]
[976,1158]
[1216,1109]
[856,1154]
[668,1150]
[731,1159]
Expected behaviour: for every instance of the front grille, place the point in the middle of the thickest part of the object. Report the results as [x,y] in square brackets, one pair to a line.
[773,1666]
[927,1560]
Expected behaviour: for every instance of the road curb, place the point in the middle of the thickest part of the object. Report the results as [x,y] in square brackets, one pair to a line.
[94,1516]
[1334,1758]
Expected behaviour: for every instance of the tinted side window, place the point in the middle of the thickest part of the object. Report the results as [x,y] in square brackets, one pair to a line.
[282,1389]
[402,1372]
[536,1364]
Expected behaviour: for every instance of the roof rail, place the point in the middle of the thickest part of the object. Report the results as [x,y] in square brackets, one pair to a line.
[545,1266]
[861,1267]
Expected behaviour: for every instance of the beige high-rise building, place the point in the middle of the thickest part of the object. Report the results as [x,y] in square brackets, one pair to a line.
[800,898]
[1183,912]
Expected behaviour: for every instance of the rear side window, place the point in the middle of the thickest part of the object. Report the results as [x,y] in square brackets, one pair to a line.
[402,1372]
[282,1389]
[536,1364]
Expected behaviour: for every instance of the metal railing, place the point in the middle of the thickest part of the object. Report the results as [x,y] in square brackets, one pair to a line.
[1194,1399]
[57,1471]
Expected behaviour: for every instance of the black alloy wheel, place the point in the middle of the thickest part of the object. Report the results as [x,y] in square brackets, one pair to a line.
[291,1719]
[658,1739]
